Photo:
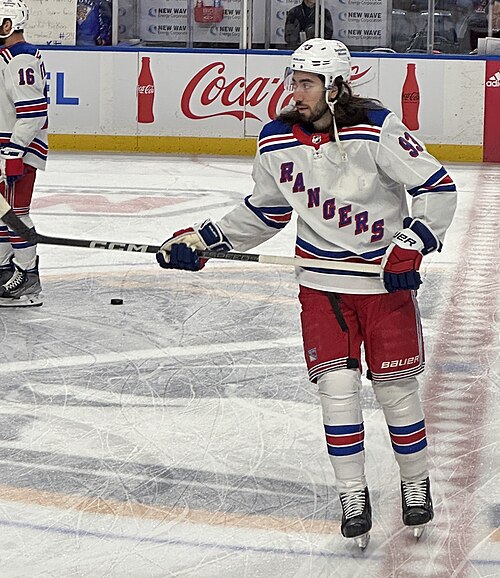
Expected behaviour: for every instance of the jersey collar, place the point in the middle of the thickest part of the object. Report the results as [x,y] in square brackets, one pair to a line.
[314,139]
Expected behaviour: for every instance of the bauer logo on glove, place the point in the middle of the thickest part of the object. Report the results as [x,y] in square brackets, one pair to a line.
[402,259]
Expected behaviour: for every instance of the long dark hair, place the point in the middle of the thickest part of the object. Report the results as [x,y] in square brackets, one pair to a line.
[349,109]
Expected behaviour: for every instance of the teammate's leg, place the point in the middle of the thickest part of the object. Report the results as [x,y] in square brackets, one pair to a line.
[22,288]
[6,250]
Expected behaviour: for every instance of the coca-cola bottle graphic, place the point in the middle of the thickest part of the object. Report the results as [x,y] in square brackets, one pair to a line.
[410,98]
[145,92]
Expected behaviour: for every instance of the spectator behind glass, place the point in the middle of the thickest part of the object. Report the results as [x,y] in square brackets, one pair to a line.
[299,24]
[93,23]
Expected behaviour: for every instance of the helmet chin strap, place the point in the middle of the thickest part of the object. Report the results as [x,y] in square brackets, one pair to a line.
[331,105]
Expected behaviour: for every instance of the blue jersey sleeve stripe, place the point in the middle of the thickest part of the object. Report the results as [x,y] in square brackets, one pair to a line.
[31,114]
[36,153]
[261,214]
[42,100]
[432,180]
[439,189]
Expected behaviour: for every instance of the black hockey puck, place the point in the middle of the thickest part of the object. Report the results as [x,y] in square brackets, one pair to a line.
[116,301]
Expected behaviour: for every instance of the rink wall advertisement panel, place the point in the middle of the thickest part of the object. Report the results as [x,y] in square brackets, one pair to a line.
[214,102]
[492,114]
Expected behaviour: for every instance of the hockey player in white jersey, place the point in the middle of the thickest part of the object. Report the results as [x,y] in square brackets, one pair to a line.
[347,165]
[23,150]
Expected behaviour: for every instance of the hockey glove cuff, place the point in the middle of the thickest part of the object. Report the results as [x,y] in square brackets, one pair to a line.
[179,252]
[403,257]
[11,162]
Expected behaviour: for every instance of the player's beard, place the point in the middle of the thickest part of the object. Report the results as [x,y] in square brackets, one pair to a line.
[316,113]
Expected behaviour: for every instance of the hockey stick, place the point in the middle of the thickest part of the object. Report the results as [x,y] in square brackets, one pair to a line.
[8,216]
[231,256]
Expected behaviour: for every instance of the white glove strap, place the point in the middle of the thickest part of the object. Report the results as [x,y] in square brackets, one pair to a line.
[407,239]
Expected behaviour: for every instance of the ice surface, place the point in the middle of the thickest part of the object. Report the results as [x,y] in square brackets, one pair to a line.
[177,434]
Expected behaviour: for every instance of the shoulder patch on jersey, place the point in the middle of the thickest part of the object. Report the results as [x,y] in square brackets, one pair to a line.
[275,127]
[377,116]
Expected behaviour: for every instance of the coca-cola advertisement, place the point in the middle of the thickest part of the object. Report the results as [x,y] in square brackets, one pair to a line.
[416,89]
[410,98]
[214,91]
[178,94]
[222,95]
[145,92]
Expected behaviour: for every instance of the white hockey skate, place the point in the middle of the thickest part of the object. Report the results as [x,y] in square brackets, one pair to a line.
[417,505]
[356,516]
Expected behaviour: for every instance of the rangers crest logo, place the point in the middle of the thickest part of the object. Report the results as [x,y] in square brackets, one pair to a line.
[312,354]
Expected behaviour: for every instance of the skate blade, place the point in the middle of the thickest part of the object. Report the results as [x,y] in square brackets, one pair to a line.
[418,531]
[362,541]
[24,301]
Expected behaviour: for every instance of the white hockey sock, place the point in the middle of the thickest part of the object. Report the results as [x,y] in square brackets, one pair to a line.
[343,419]
[405,418]
[6,251]
[24,253]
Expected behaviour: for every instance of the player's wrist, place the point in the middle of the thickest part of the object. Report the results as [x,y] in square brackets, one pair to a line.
[430,241]
[11,160]
[213,236]
[416,236]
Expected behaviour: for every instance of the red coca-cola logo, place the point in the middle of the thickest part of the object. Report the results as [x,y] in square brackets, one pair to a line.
[356,74]
[411,96]
[146,89]
[210,87]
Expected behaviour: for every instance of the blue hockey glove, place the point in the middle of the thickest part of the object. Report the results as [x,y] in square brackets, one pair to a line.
[403,257]
[11,162]
[179,252]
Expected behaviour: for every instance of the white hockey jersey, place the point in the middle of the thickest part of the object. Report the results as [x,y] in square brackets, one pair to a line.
[23,102]
[347,210]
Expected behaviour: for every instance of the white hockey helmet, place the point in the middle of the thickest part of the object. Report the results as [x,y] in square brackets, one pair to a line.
[330,58]
[16,11]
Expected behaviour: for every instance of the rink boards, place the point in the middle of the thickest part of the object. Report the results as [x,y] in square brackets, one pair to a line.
[217,102]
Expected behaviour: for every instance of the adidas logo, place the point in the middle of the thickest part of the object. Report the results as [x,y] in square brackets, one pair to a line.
[494,81]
